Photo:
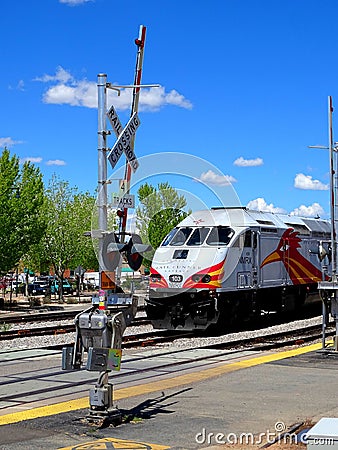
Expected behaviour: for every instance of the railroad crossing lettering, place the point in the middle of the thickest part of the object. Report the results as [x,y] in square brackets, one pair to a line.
[124,187]
[115,121]
[123,144]
[124,201]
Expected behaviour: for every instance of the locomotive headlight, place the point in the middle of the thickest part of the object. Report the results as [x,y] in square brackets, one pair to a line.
[197,277]
[206,279]
[201,278]
[155,277]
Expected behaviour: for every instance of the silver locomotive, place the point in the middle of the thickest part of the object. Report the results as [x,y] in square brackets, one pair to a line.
[227,264]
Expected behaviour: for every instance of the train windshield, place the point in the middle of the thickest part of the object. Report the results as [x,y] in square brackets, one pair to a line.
[220,236]
[198,236]
[177,236]
[181,236]
[169,237]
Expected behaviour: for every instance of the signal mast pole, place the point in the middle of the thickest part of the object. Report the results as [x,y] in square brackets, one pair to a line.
[329,289]
[140,42]
[102,164]
[333,188]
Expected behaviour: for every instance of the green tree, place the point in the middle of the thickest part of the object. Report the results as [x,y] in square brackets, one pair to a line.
[67,216]
[21,200]
[161,209]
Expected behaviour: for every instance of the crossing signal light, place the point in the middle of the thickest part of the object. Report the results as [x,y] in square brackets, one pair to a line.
[133,250]
[111,252]
[134,257]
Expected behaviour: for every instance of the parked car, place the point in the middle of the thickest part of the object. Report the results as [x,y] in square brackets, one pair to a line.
[37,288]
[67,287]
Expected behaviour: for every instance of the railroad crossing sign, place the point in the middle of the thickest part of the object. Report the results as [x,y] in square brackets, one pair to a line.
[123,201]
[123,187]
[114,121]
[123,139]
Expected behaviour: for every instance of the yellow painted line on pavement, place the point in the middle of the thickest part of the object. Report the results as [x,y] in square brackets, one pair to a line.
[159,385]
[100,444]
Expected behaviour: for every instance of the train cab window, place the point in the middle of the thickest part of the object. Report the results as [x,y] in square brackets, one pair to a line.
[243,240]
[181,236]
[169,237]
[220,236]
[198,236]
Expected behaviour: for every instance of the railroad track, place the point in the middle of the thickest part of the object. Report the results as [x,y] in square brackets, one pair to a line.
[25,317]
[265,342]
[52,330]
[133,340]
[30,332]
[278,339]
[155,337]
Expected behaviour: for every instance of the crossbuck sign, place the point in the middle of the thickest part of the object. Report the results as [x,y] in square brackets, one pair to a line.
[123,139]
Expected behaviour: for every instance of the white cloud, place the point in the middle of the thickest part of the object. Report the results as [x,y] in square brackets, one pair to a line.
[9,142]
[61,75]
[211,177]
[260,204]
[154,98]
[33,159]
[241,162]
[74,2]
[306,182]
[56,162]
[313,210]
[20,86]
[82,94]
[68,90]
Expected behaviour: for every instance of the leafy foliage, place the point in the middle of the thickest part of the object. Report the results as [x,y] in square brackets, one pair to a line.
[67,215]
[21,200]
[160,211]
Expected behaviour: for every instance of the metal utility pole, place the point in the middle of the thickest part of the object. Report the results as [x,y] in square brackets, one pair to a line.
[329,289]
[102,164]
[333,192]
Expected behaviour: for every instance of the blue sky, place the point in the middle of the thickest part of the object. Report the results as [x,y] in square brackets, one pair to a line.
[244,86]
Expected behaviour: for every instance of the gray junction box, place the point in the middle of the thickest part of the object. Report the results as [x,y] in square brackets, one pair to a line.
[324,435]
[95,330]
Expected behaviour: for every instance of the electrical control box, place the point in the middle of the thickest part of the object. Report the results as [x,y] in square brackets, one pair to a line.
[95,330]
